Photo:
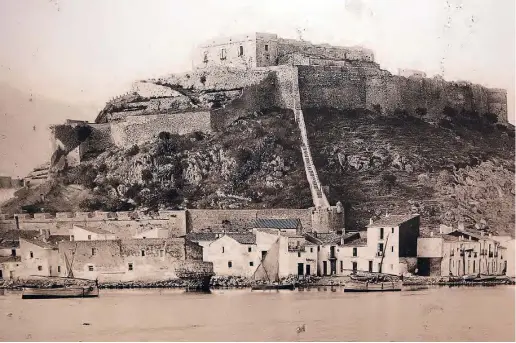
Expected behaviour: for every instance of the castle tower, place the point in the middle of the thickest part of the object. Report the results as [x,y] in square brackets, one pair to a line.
[328,219]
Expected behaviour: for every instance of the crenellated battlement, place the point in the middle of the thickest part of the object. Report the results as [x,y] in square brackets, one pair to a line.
[92,216]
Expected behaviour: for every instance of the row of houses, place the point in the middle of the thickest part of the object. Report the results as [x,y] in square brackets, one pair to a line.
[391,244]
[95,253]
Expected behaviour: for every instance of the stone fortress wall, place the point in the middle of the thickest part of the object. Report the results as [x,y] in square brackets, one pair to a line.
[359,86]
[337,77]
[179,222]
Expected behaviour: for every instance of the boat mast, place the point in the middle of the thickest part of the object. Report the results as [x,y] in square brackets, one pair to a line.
[383,252]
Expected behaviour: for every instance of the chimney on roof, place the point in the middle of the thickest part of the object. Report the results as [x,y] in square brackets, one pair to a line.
[386,214]
[461,226]
[371,221]
[490,234]
[431,234]
[482,233]
[470,238]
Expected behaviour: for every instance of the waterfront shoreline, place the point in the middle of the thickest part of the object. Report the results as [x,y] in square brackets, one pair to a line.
[218,282]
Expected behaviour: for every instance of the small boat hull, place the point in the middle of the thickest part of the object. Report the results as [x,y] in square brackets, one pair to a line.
[269,287]
[373,287]
[58,293]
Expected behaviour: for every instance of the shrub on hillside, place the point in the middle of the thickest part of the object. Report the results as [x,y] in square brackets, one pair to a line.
[132,151]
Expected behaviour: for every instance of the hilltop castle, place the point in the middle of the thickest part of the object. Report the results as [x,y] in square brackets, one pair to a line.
[260,71]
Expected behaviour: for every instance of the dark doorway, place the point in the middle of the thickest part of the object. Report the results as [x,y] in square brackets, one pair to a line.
[307,269]
[371,266]
[1,275]
[325,267]
[423,266]
[300,268]
[13,252]
[354,266]
[264,253]
[333,267]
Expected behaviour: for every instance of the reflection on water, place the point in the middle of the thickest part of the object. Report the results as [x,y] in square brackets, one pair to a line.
[431,314]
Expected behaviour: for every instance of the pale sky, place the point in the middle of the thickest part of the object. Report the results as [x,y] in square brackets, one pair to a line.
[90,50]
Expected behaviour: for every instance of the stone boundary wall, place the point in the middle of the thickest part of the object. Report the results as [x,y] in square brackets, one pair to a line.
[361,86]
[141,129]
[122,224]
[198,220]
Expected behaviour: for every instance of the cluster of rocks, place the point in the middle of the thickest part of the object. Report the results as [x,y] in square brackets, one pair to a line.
[230,282]
[43,283]
[172,283]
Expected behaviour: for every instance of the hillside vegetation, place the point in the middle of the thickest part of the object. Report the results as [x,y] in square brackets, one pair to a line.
[460,169]
[254,163]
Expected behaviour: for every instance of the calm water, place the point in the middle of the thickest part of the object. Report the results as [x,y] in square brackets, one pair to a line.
[450,314]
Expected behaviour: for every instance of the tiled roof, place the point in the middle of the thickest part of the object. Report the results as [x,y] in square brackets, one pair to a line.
[356,242]
[40,243]
[9,244]
[393,220]
[10,259]
[276,223]
[243,238]
[54,239]
[14,235]
[96,230]
[202,236]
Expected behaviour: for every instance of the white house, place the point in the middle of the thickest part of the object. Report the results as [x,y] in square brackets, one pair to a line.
[233,254]
[83,233]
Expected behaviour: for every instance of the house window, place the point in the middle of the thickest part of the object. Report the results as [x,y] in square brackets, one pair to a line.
[205,58]
[72,237]
[380,249]
[381,233]
[223,54]
[89,237]
[222,249]
[59,269]
[40,268]
[341,266]
[143,252]
[355,252]
[318,248]
[251,264]
[264,253]
[240,51]
[144,237]
[230,264]
[249,249]
[90,268]
[298,254]
[266,47]
[130,266]
[31,254]
[13,252]
[392,230]
[92,251]
[392,248]
[311,249]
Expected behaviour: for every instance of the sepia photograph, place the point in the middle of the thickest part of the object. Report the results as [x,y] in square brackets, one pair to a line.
[257,171]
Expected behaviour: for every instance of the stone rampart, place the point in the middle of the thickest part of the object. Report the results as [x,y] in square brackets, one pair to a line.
[198,220]
[141,129]
[123,224]
[363,86]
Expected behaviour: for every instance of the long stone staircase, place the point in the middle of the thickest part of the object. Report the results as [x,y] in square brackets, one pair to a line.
[318,196]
